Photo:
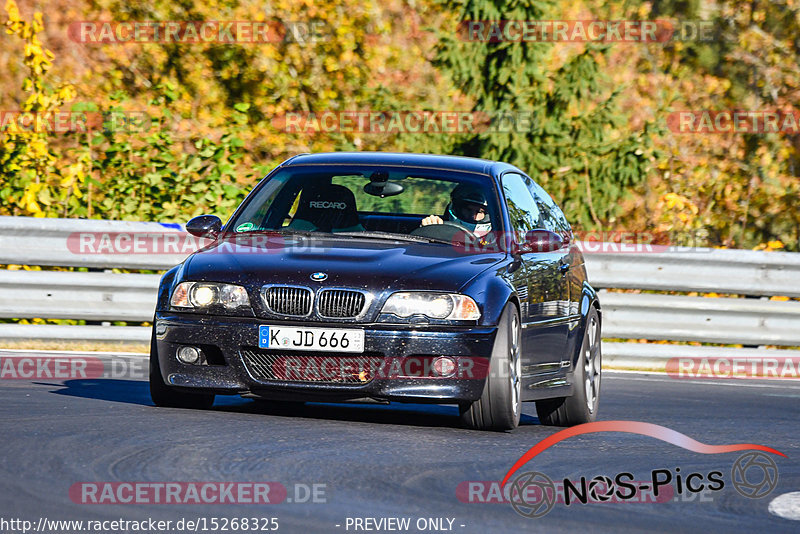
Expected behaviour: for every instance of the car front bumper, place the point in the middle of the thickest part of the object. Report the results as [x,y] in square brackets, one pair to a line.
[226,340]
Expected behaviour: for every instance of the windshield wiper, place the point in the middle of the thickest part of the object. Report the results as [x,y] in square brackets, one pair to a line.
[304,233]
[391,236]
[384,236]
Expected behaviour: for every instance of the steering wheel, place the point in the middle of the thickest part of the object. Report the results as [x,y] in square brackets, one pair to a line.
[446,231]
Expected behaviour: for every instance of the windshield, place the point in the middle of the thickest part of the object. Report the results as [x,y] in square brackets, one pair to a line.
[371,200]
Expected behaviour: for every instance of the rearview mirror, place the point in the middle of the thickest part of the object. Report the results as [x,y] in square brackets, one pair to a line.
[380,186]
[204,226]
[541,240]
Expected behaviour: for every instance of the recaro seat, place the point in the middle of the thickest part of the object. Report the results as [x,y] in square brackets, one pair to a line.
[331,208]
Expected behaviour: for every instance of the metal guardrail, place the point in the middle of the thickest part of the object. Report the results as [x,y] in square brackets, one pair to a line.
[77,295]
[739,272]
[56,242]
[106,296]
[92,333]
[708,320]
[92,296]
[653,356]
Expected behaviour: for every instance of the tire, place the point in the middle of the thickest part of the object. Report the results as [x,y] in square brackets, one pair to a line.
[500,405]
[582,406]
[171,397]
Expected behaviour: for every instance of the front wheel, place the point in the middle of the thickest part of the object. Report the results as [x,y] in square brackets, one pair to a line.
[168,396]
[500,405]
[581,407]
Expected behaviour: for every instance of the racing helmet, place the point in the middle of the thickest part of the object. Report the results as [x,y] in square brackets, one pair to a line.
[465,195]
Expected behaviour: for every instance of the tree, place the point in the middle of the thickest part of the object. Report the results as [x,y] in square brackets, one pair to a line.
[578,145]
[27,160]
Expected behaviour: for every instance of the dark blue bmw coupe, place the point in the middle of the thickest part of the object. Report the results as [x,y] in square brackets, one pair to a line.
[388,277]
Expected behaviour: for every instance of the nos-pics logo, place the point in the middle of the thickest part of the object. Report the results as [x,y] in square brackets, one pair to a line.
[533,494]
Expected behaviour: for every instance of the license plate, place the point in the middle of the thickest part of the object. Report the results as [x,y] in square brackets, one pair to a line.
[322,339]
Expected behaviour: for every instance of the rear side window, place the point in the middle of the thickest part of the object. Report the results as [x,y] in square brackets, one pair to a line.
[553,218]
[522,208]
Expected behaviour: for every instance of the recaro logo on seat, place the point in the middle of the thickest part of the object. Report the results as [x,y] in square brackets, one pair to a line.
[324,204]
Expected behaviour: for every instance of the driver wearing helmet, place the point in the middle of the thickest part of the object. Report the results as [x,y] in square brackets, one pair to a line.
[468,208]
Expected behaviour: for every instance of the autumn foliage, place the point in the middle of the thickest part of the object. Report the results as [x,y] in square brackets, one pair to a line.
[205,127]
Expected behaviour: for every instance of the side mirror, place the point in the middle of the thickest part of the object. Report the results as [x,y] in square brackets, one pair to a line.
[541,241]
[204,226]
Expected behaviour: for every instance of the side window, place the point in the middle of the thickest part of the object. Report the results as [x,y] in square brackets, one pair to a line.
[552,217]
[255,213]
[522,209]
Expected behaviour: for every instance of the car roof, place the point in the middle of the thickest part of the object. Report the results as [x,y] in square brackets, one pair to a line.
[430,161]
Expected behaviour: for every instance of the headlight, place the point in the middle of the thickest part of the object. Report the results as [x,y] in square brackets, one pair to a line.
[203,294]
[434,305]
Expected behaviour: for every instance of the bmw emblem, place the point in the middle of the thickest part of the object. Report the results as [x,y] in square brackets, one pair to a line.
[319,277]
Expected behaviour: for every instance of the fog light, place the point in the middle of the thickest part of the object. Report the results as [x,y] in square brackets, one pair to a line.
[161,328]
[444,366]
[190,355]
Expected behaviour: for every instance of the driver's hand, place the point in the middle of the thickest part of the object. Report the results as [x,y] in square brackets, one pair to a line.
[432,219]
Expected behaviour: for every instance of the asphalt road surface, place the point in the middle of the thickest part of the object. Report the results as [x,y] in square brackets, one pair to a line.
[367,463]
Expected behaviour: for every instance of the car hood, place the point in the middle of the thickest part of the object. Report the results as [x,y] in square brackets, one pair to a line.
[347,262]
